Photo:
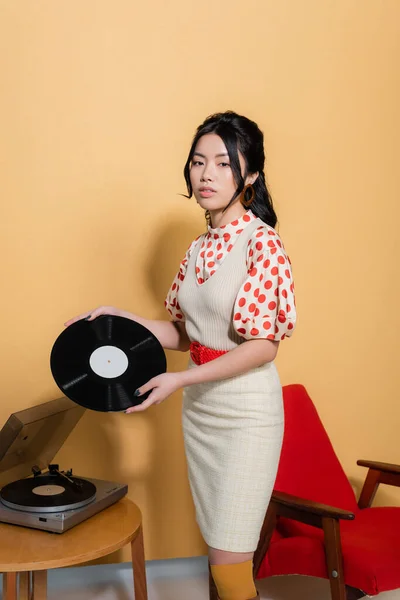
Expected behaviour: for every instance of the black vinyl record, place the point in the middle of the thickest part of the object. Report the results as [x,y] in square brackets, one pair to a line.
[99,364]
[47,493]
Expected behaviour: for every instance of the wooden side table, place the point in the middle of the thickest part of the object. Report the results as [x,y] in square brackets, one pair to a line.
[27,554]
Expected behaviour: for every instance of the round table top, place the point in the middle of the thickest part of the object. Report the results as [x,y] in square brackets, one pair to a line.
[24,549]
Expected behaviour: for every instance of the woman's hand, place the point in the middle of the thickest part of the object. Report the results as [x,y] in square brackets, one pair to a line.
[163,386]
[90,315]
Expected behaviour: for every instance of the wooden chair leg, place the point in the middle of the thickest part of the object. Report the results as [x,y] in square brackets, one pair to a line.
[213,592]
[39,585]
[369,489]
[139,567]
[354,593]
[25,586]
[265,537]
[334,559]
[9,586]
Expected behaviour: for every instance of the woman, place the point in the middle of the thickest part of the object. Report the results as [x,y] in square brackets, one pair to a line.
[230,303]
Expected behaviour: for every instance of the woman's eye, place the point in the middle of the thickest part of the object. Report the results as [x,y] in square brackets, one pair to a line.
[224,165]
[196,163]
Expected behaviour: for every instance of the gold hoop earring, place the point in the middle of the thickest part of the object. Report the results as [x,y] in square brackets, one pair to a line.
[247,203]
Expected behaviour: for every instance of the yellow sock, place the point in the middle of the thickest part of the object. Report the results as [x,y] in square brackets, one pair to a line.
[234,581]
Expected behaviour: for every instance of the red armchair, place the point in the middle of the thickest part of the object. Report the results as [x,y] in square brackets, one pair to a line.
[314,525]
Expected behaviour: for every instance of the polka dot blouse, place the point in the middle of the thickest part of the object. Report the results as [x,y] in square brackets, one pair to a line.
[265,305]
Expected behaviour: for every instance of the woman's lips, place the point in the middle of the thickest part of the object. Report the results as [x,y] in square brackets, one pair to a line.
[206,192]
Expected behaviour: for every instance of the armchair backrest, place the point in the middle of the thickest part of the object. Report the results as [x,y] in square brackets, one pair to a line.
[309,467]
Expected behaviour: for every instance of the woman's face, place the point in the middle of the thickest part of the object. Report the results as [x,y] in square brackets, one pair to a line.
[211,175]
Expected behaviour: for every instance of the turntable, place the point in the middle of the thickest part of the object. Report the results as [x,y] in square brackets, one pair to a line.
[35,492]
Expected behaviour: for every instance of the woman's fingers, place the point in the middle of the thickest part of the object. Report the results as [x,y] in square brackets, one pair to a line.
[150,385]
[92,314]
[141,407]
[78,318]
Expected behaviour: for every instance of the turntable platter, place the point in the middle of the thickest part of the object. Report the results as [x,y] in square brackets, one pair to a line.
[47,493]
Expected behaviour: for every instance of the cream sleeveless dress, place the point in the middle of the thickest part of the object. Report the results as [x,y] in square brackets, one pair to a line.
[233,428]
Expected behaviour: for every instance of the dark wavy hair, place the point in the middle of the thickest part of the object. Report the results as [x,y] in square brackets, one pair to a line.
[238,133]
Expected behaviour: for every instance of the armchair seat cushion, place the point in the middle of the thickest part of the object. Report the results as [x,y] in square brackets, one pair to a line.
[297,555]
[370,546]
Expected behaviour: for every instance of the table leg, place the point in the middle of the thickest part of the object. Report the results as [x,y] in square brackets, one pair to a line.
[39,585]
[10,586]
[139,569]
[25,585]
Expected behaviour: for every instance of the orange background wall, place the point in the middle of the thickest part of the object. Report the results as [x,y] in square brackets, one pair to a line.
[98,105]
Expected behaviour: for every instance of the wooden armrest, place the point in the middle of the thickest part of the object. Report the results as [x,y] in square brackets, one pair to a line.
[378,472]
[316,514]
[308,506]
[379,466]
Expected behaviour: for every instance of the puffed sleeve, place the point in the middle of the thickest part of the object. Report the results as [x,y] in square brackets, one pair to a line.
[265,306]
[171,303]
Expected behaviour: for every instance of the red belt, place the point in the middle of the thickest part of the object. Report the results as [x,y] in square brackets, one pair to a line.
[201,354]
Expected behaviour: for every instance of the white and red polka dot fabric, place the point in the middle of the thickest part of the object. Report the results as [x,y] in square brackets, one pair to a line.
[265,305]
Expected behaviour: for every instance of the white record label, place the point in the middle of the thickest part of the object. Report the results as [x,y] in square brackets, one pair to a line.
[108,362]
[48,490]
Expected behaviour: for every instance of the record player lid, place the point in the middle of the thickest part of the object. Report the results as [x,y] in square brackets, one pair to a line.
[34,436]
